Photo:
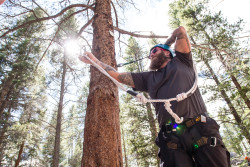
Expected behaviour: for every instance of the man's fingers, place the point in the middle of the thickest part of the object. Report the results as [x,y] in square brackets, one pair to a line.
[84,59]
[88,58]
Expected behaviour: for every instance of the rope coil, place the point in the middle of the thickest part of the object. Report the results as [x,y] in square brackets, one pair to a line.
[141,98]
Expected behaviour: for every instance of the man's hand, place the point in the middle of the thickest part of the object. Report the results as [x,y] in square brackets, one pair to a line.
[180,37]
[90,55]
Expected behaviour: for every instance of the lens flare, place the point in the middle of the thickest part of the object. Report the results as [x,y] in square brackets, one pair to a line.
[72,48]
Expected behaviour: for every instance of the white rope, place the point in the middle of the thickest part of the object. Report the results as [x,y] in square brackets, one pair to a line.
[141,98]
[105,73]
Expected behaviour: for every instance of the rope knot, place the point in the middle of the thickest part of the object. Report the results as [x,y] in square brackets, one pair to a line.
[181,96]
[141,98]
[167,105]
[177,119]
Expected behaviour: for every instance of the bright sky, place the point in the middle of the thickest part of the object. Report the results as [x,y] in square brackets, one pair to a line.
[155,18]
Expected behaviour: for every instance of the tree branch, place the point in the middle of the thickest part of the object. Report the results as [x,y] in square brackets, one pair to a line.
[47,48]
[138,35]
[46,18]
[85,26]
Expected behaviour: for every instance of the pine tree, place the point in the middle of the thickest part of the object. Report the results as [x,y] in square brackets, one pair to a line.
[102,140]
[60,59]
[18,54]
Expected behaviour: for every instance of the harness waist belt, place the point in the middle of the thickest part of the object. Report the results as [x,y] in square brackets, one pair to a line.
[173,145]
[197,119]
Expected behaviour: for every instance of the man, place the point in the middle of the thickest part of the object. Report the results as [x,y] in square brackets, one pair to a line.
[196,141]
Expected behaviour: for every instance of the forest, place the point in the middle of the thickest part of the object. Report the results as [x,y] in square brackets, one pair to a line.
[57,111]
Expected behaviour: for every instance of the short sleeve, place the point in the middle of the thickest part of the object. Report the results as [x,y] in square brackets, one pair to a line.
[185,58]
[141,81]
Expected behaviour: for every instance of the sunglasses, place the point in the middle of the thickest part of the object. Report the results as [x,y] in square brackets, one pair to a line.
[153,51]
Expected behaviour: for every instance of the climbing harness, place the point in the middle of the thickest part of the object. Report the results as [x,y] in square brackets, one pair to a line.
[170,133]
[141,98]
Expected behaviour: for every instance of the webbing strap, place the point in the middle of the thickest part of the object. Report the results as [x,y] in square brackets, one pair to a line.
[195,120]
[203,140]
[211,141]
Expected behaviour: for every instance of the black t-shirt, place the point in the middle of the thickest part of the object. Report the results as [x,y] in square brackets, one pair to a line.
[175,78]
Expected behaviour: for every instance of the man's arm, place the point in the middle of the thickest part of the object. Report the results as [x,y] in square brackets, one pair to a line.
[181,38]
[124,77]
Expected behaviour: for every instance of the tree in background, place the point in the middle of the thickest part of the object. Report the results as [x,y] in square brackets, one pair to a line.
[73,130]
[60,62]
[18,53]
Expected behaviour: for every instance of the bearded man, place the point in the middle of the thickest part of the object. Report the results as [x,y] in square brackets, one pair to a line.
[197,142]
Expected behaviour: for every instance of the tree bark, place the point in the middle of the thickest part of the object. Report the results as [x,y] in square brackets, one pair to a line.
[56,154]
[124,148]
[102,138]
[19,154]
[153,129]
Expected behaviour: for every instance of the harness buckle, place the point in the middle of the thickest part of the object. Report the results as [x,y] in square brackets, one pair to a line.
[203,119]
[213,141]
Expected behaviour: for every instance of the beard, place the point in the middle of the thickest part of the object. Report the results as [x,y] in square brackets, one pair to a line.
[158,61]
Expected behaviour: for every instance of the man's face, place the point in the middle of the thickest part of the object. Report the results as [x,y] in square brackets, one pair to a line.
[158,58]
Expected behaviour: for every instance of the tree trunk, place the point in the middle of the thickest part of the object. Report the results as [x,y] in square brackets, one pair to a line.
[102,138]
[56,154]
[153,129]
[124,148]
[5,94]
[19,154]
[2,133]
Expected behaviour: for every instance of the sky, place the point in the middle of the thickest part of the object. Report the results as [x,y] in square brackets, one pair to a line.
[155,17]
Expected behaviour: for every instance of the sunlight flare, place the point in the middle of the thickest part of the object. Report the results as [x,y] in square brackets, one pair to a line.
[72,47]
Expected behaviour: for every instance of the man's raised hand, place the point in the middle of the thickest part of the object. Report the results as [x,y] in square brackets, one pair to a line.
[90,55]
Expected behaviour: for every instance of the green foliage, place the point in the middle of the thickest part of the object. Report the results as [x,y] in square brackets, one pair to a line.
[73,135]
[20,89]
[49,141]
